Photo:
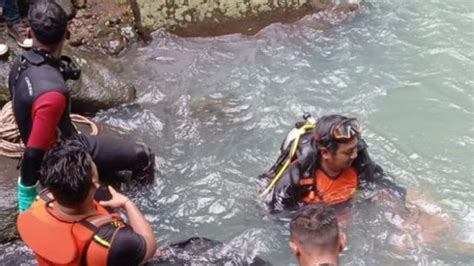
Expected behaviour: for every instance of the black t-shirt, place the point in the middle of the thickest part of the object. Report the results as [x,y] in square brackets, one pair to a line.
[126,248]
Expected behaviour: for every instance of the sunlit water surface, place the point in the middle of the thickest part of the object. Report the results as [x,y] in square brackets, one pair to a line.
[216,109]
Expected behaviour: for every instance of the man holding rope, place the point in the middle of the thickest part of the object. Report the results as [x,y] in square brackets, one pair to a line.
[41,105]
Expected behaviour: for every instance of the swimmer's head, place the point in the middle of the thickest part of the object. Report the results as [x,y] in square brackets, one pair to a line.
[315,236]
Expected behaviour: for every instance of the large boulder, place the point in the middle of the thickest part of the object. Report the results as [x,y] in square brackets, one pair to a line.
[212,18]
[98,88]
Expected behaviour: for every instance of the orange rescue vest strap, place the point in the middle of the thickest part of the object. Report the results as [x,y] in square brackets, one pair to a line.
[57,241]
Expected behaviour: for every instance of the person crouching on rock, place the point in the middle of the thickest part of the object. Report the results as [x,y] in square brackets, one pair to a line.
[42,104]
[66,226]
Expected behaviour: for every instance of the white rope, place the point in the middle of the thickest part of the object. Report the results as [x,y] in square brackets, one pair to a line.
[10,143]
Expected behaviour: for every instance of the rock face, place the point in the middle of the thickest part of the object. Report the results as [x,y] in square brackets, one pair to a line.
[211,18]
[4,94]
[8,205]
[98,88]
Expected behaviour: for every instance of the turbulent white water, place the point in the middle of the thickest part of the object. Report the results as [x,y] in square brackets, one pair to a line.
[216,109]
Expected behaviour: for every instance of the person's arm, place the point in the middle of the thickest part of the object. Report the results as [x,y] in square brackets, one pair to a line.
[285,194]
[137,221]
[46,114]
[372,176]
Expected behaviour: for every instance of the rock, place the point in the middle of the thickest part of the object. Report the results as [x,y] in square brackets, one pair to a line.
[75,41]
[115,20]
[87,15]
[8,205]
[196,19]
[8,230]
[98,88]
[68,6]
[4,95]
[79,3]
[128,32]
[4,70]
[115,47]
[5,64]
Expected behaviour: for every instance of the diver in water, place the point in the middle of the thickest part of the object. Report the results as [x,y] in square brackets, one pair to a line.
[323,161]
[42,103]
[326,161]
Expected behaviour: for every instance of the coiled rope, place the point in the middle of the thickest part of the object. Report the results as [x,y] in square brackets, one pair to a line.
[10,143]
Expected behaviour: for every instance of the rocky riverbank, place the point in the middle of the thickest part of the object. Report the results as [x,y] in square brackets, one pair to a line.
[103,29]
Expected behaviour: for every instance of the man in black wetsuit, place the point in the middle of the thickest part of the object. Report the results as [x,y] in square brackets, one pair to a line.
[329,164]
[41,105]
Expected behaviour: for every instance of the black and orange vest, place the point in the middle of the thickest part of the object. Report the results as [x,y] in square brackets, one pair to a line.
[57,242]
[330,191]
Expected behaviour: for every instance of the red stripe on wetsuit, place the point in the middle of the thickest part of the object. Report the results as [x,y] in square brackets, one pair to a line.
[46,114]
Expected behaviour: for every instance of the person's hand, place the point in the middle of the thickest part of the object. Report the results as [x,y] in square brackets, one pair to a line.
[118,200]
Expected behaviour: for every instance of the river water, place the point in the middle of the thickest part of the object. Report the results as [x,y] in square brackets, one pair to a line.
[216,109]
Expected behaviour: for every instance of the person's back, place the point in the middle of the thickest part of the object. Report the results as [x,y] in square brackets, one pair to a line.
[315,238]
[68,227]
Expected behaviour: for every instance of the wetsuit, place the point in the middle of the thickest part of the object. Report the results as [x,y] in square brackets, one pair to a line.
[299,184]
[42,104]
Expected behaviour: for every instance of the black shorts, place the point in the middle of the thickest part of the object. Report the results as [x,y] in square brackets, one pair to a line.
[112,154]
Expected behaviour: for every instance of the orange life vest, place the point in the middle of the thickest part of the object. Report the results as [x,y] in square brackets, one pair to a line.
[330,191]
[57,242]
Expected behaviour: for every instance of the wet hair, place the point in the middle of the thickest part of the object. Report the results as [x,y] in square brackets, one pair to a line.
[66,171]
[324,125]
[48,21]
[315,227]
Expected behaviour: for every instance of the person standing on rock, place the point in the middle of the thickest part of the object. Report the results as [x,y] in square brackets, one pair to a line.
[41,105]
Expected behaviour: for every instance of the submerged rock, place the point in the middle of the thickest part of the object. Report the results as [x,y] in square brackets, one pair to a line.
[203,251]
